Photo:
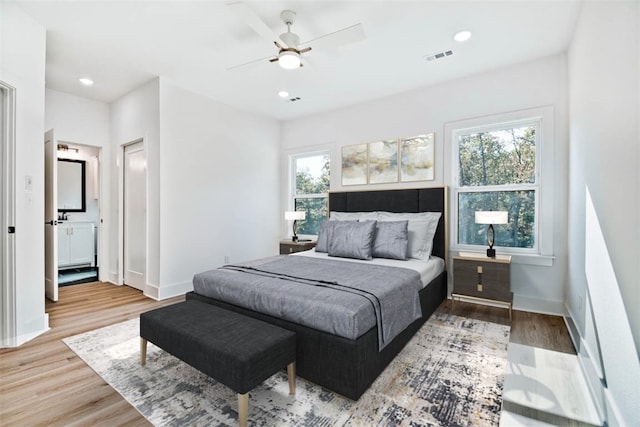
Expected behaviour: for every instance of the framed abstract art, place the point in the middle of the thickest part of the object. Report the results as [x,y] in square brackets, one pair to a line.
[417,158]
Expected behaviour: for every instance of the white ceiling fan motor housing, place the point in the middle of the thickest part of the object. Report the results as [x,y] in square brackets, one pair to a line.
[288,17]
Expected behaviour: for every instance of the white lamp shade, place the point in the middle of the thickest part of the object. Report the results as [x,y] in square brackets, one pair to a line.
[289,60]
[294,215]
[492,217]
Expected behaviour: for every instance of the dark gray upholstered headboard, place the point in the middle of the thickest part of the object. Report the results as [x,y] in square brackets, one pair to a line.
[404,200]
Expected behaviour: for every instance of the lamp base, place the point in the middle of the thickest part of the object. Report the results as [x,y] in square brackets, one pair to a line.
[491,253]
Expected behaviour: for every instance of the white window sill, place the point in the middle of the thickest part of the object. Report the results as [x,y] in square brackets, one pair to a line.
[516,258]
[542,260]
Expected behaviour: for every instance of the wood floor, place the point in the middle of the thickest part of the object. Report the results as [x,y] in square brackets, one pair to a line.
[533,329]
[44,383]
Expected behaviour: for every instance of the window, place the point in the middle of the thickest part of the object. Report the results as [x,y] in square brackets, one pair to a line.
[497,168]
[311,181]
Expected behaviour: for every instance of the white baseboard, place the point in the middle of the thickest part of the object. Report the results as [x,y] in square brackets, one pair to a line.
[530,304]
[537,305]
[590,369]
[113,277]
[21,339]
[164,292]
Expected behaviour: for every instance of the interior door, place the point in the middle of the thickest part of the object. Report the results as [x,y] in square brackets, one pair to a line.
[135,215]
[50,216]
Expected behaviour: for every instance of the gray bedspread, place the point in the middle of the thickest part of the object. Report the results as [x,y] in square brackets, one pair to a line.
[341,298]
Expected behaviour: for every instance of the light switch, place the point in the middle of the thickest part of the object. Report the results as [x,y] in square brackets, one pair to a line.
[28,183]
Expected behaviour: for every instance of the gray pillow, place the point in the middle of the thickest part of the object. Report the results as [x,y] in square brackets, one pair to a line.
[351,239]
[422,227]
[392,240]
[324,235]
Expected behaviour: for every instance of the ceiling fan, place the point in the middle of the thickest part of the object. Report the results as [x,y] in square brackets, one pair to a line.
[290,49]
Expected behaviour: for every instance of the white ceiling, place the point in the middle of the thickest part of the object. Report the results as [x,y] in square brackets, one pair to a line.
[123,44]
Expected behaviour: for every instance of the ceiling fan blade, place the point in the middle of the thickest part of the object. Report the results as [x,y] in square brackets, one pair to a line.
[305,50]
[352,34]
[252,20]
[267,58]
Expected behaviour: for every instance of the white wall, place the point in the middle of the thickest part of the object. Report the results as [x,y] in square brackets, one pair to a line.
[136,116]
[219,186]
[22,49]
[75,119]
[212,183]
[528,85]
[604,162]
[84,121]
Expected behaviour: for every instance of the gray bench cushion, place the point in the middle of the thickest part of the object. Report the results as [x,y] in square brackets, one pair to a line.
[236,350]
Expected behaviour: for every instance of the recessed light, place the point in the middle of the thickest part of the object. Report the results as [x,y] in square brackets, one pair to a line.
[462,36]
[85,81]
[283,94]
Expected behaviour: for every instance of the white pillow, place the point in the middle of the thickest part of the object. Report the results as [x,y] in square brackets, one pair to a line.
[422,227]
[353,216]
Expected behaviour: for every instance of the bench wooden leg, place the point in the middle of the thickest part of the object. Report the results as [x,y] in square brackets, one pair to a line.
[143,351]
[243,409]
[291,373]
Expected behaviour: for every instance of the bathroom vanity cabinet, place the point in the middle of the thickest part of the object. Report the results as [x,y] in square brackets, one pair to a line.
[76,244]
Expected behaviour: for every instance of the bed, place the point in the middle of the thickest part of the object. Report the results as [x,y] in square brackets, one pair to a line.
[348,365]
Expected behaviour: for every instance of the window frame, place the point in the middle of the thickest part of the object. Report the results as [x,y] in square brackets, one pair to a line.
[542,119]
[292,196]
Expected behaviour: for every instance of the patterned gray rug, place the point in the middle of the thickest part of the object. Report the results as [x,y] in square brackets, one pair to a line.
[450,374]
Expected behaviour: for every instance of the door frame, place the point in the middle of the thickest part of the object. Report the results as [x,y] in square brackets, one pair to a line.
[8,331]
[101,235]
[121,237]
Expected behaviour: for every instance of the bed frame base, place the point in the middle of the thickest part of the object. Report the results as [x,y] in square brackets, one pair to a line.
[328,360]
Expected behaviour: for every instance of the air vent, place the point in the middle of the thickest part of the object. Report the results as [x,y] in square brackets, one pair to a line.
[439,55]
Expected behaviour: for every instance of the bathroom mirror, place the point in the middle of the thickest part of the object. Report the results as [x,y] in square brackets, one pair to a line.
[71,185]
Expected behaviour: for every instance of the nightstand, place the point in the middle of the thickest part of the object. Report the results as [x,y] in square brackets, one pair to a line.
[479,278]
[289,246]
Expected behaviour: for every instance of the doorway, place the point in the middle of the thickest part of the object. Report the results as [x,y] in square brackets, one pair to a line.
[135,215]
[72,213]
[79,202]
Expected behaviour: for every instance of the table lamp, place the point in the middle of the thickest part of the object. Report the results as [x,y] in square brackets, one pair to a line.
[491,217]
[294,216]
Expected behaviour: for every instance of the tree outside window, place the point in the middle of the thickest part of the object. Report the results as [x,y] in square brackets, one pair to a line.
[497,170]
[312,183]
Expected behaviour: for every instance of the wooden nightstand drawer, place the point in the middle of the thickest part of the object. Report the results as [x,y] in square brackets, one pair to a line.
[289,246]
[482,279]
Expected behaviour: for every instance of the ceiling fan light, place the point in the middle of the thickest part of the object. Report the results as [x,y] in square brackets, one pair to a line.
[289,60]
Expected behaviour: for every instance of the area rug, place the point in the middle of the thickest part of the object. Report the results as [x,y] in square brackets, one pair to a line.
[451,373]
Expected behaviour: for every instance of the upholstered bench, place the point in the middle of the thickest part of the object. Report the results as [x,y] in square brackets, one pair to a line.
[235,350]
